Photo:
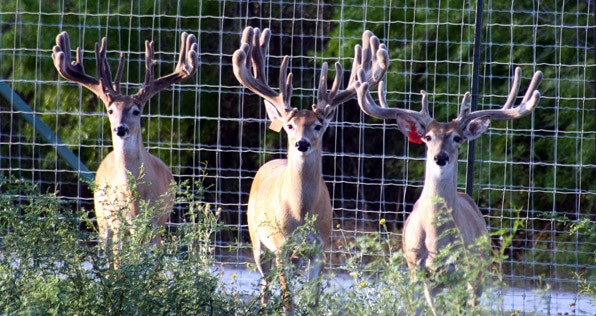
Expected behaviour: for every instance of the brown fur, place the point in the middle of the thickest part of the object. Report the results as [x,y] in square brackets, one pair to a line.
[283,193]
[423,236]
[113,196]
[440,202]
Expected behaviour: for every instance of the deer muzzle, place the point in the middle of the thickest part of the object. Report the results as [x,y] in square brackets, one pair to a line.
[442,159]
[303,145]
[121,130]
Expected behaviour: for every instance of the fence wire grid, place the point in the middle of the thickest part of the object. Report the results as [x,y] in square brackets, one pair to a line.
[536,173]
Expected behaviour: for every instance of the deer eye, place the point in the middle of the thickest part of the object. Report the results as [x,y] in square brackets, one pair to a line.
[290,126]
[110,111]
[427,138]
[318,128]
[136,112]
[457,139]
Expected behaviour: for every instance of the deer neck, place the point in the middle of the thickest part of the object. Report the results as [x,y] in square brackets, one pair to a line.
[437,202]
[440,185]
[128,152]
[303,176]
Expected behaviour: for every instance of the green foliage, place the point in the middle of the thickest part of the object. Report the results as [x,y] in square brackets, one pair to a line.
[547,160]
[50,264]
[382,286]
[543,162]
[431,46]
[583,254]
[67,107]
[376,281]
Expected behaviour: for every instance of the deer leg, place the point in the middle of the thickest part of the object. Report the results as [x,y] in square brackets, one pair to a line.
[264,267]
[475,292]
[264,270]
[315,266]
[419,276]
[429,293]
[316,261]
[286,296]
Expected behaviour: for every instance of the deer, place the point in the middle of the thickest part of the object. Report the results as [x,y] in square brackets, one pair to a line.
[442,216]
[129,166]
[286,192]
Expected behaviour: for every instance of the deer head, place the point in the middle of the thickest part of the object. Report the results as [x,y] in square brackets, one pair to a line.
[124,111]
[304,128]
[443,139]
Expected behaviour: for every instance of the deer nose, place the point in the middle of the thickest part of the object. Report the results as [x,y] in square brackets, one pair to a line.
[121,130]
[442,159]
[302,145]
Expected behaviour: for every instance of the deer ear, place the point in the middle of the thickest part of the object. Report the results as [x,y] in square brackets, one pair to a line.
[411,128]
[276,118]
[328,115]
[272,111]
[476,127]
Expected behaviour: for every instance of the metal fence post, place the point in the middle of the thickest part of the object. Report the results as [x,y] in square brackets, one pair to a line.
[474,102]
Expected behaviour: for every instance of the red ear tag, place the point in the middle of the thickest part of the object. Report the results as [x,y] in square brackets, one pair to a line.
[414,137]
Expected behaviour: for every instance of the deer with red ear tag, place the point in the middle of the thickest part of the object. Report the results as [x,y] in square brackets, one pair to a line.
[440,209]
[113,197]
[285,192]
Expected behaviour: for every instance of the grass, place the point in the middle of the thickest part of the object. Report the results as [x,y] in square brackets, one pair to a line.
[50,264]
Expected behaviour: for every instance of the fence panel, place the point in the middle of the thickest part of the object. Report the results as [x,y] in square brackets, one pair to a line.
[533,177]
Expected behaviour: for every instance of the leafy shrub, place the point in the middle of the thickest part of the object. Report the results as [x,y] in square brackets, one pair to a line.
[51,264]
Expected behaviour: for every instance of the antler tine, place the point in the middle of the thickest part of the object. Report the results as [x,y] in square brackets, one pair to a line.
[371,59]
[514,89]
[507,112]
[374,58]
[323,96]
[251,54]
[116,84]
[380,64]
[75,71]
[424,114]
[150,63]
[285,84]
[109,89]
[260,45]
[188,63]
[368,105]
[532,95]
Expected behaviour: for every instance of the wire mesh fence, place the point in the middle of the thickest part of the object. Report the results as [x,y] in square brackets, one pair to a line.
[533,177]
